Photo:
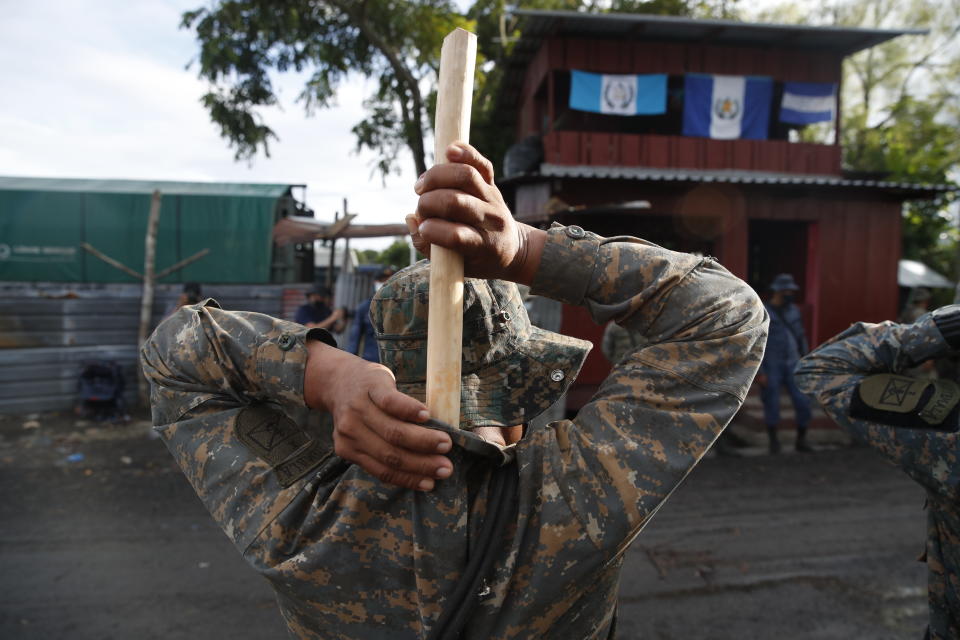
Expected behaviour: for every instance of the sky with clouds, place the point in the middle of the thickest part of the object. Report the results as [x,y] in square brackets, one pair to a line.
[101,90]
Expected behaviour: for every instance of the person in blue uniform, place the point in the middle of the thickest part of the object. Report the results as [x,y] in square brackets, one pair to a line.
[786,343]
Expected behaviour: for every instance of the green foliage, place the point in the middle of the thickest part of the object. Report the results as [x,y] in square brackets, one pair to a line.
[396,255]
[902,115]
[901,109]
[393,41]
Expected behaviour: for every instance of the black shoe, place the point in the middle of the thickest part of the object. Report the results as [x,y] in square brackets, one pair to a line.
[774,442]
[803,447]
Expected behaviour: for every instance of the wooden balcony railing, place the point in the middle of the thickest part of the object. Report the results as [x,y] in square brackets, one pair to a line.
[677,152]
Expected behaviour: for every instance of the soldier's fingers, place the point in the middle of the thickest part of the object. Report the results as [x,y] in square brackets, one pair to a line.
[467,154]
[394,477]
[412,439]
[398,404]
[399,432]
[454,175]
[453,205]
[449,235]
[421,245]
[385,448]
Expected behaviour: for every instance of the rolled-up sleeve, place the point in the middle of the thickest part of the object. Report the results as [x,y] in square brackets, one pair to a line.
[832,374]
[211,370]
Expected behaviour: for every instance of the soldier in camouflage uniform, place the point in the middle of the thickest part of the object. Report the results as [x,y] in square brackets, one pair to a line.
[857,377]
[524,539]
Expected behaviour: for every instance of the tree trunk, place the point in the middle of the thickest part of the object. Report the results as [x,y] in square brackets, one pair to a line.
[405,77]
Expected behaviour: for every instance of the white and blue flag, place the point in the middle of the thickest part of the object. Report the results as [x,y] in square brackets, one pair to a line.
[726,107]
[808,102]
[633,95]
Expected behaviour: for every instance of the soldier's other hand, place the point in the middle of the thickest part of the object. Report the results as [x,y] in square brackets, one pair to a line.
[461,209]
[375,426]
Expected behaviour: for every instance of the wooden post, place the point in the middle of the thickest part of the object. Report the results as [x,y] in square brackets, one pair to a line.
[333,252]
[146,302]
[445,328]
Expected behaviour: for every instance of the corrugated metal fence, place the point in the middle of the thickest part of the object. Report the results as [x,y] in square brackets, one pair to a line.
[47,332]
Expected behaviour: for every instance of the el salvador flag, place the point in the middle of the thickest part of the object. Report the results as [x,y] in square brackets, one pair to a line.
[634,95]
[726,107]
[808,102]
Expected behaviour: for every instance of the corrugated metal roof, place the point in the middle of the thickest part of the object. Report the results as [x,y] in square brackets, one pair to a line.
[732,176]
[536,24]
[256,190]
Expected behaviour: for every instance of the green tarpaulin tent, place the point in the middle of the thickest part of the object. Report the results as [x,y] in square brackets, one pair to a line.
[43,221]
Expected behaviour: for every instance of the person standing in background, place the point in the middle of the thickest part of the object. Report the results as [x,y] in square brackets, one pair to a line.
[316,313]
[363,341]
[786,343]
[917,305]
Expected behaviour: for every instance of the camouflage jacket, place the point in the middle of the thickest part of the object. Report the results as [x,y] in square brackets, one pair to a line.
[350,557]
[832,373]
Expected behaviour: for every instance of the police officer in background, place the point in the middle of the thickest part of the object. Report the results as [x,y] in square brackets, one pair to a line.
[786,343]
[913,422]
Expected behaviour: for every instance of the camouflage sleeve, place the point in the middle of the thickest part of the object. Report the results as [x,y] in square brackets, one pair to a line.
[211,372]
[832,373]
[664,403]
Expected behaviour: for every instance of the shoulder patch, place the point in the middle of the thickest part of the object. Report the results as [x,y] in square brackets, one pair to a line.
[280,442]
[888,392]
[907,402]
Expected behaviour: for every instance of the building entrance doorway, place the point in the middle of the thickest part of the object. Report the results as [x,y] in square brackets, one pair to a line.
[775,247]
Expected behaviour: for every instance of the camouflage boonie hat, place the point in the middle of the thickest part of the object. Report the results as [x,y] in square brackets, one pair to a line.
[511,370]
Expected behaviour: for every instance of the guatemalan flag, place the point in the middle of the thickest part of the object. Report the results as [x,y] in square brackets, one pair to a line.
[808,102]
[726,107]
[634,95]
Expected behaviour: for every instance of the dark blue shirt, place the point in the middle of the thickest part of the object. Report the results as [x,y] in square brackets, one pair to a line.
[363,341]
[786,341]
[312,313]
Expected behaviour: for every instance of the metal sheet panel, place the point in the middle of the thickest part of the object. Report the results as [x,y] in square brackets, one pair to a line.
[48,331]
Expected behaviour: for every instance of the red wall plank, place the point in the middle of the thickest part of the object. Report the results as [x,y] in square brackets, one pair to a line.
[656,151]
[629,150]
[601,149]
[686,152]
[569,142]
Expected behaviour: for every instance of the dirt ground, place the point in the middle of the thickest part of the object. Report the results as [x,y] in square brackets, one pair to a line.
[102,538]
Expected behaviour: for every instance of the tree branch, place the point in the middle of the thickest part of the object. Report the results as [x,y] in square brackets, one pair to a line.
[404,76]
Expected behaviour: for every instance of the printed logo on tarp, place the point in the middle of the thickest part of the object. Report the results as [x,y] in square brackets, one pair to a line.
[36,253]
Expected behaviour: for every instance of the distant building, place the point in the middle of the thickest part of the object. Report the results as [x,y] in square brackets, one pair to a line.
[716,171]
[44,221]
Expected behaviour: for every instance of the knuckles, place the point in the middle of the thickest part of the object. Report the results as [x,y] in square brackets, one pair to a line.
[393,460]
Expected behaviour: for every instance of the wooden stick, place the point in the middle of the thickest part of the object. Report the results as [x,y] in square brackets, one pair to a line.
[180,265]
[110,261]
[445,327]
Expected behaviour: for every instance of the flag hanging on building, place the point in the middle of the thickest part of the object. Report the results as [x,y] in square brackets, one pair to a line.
[808,102]
[726,107]
[633,95]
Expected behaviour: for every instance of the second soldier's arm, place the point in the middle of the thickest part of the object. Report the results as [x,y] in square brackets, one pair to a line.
[833,373]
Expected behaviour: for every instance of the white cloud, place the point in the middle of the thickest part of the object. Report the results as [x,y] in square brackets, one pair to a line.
[101,90]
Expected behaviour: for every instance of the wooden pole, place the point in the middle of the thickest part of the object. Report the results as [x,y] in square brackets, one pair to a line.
[146,302]
[445,328]
[110,261]
[180,265]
